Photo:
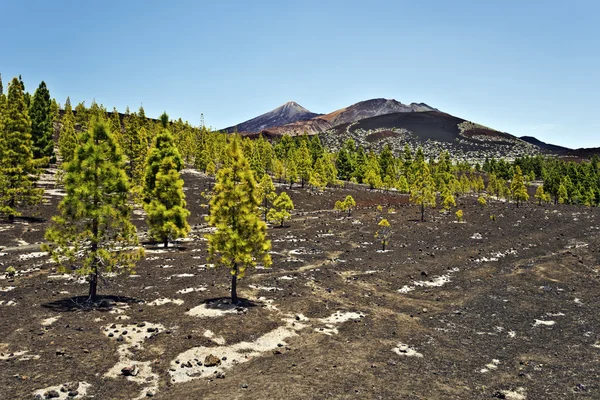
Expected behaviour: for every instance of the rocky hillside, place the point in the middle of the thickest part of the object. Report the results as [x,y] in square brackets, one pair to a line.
[435,132]
[355,112]
[288,113]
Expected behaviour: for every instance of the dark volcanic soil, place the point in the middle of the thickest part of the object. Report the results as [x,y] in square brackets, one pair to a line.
[476,310]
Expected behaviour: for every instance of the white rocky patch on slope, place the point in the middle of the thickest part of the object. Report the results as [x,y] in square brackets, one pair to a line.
[437,281]
[405,350]
[131,337]
[191,364]
[71,390]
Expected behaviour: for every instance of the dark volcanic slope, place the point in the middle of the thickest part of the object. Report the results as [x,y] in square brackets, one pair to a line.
[433,125]
[434,131]
[287,113]
[551,147]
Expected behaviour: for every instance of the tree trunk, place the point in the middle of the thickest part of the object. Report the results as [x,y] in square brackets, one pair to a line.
[166,242]
[266,206]
[93,284]
[234,298]
[11,205]
[422,212]
[383,245]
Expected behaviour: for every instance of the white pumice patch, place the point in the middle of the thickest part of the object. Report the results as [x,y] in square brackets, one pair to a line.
[217,339]
[81,387]
[189,365]
[30,256]
[164,300]
[405,350]
[203,311]
[437,281]
[192,290]
[134,339]
[539,322]
[517,394]
[49,321]
[490,367]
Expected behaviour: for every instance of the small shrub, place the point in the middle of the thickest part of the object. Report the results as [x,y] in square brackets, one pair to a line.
[493,218]
[459,216]
[482,202]
[11,271]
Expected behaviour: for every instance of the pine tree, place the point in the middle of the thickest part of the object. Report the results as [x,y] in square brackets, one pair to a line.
[517,186]
[373,173]
[164,200]
[402,184]
[447,198]
[348,204]
[115,127]
[384,233]
[67,138]
[266,193]
[303,163]
[81,115]
[562,194]
[93,232]
[240,240]
[422,192]
[540,195]
[135,148]
[18,169]
[282,206]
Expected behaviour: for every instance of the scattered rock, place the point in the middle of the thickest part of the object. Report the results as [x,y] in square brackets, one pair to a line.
[130,370]
[211,361]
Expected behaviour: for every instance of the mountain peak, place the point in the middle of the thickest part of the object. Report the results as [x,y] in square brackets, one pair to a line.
[285,114]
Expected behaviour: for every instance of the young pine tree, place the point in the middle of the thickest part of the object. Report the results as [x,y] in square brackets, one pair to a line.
[422,191]
[517,187]
[349,204]
[282,206]
[18,170]
[384,233]
[240,240]
[93,232]
[163,197]
[266,193]
[67,138]
[540,195]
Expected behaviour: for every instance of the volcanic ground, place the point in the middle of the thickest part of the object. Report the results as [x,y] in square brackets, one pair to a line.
[476,310]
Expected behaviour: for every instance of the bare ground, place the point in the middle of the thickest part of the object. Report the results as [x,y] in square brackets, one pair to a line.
[475,310]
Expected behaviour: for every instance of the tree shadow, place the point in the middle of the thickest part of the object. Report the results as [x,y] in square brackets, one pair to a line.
[31,219]
[83,303]
[224,303]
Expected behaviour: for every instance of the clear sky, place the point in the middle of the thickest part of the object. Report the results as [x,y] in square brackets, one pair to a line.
[524,67]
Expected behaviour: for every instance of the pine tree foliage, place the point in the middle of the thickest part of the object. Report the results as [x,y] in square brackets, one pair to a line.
[93,232]
[19,171]
[164,200]
[240,239]
[518,188]
[266,193]
[280,212]
[67,138]
[422,192]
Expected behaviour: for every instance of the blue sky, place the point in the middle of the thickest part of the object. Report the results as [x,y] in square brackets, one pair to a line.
[524,67]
